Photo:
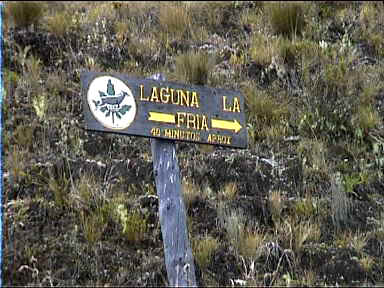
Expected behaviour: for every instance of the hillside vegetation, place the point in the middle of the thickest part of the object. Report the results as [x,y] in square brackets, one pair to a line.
[301,206]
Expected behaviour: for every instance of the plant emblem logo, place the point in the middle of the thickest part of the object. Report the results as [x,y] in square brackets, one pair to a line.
[111,102]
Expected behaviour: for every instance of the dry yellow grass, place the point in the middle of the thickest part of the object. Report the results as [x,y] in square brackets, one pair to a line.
[203,249]
[191,192]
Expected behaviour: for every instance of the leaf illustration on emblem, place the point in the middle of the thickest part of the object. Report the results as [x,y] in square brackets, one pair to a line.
[97,103]
[103,109]
[124,109]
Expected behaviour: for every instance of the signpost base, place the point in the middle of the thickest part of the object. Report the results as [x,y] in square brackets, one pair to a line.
[177,251]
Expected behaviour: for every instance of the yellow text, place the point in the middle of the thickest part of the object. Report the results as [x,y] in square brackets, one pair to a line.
[166,95]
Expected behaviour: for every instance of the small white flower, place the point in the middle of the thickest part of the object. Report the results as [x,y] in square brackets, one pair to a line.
[323,44]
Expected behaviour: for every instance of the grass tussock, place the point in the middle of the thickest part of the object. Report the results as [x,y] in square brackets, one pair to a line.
[340,204]
[294,233]
[286,19]
[93,226]
[305,209]
[194,68]
[100,12]
[366,118]
[175,20]
[210,15]
[276,201]
[134,226]
[234,224]
[252,244]
[267,116]
[349,239]
[203,250]
[229,191]
[369,31]
[23,136]
[264,49]
[59,24]
[24,14]
[191,192]
[313,154]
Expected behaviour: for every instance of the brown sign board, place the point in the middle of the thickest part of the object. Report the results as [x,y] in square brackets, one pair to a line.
[117,103]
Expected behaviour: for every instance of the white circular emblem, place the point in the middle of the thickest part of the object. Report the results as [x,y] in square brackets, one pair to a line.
[111,102]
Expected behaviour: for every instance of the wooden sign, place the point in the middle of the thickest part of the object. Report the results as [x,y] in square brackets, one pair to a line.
[166,111]
[152,108]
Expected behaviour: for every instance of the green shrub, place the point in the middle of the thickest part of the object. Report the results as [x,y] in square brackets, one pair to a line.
[287,18]
[338,100]
[336,75]
[26,13]
[194,68]
[350,181]
[134,225]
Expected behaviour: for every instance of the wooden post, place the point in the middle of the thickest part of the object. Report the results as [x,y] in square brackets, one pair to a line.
[172,214]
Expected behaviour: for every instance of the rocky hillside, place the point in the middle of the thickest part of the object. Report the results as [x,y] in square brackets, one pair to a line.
[302,205]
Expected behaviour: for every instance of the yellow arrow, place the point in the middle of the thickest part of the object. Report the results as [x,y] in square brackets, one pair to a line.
[161,117]
[225,124]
